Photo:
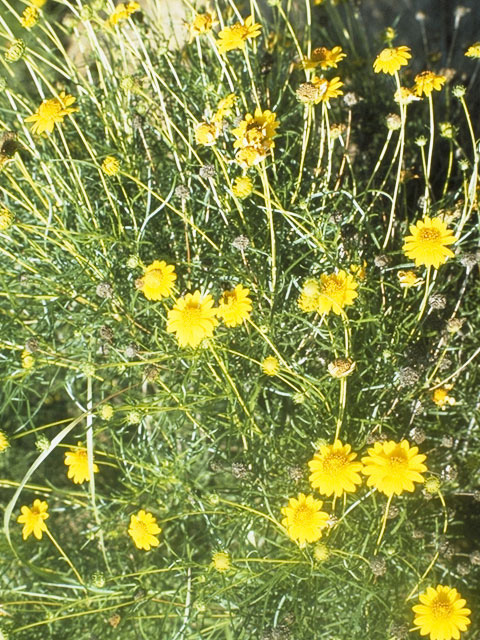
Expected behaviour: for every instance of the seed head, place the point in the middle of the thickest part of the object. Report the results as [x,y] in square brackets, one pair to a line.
[378,566]
[207,171]
[104,290]
[437,301]
[241,243]
[393,121]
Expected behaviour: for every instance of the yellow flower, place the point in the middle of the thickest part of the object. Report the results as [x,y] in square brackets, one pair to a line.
[235,37]
[77,462]
[202,23]
[242,187]
[409,279]
[143,529]
[224,107]
[50,112]
[4,443]
[359,270]
[336,291]
[304,520]
[393,467]
[27,359]
[473,51]
[123,12]
[441,398]
[426,82]
[221,561]
[309,295]
[33,519]
[442,613]
[333,469]
[327,89]
[110,165]
[6,218]
[390,60]
[157,281]
[206,133]
[192,319]
[427,244]
[29,17]
[324,58]
[254,137]
[270,366]
[234,306]
[106,412]
[38,3]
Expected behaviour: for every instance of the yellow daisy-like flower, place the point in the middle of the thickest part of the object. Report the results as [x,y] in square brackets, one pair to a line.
[327,89]
[391,59]
[33,519]
[110,165]
[473,51]
[202,23]
[29,17]
[224,107]
[242,187]
[393,467]
[442,613]
[206,133]
[428,243]
[157,281]
[441,398]
[270,366]
[50,112]
[254,137]
[234,306]
[234,37]
[4,443]
[359,270]
[221,561]
[38,3]
[143,529]
[77,462]
[304,519]
[336,291]
[333,469]
[409,279]
[192,319]
[426,82]
[27,359]
[309,296]
[324,58]
[123,12]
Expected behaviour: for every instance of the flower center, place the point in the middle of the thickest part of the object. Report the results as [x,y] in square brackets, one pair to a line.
[397,459]
[229,298]
[442,608]
[51,108]
[387,54]
[192,313]
[303,516]
[429,234]
[334,462]
[331,285]
[154,278]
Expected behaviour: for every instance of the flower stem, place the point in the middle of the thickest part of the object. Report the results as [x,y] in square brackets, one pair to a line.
[384,524]
[268,206]
[64,556]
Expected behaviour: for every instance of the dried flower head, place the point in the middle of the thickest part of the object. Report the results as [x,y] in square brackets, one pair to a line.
[341,367]
[378,566]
